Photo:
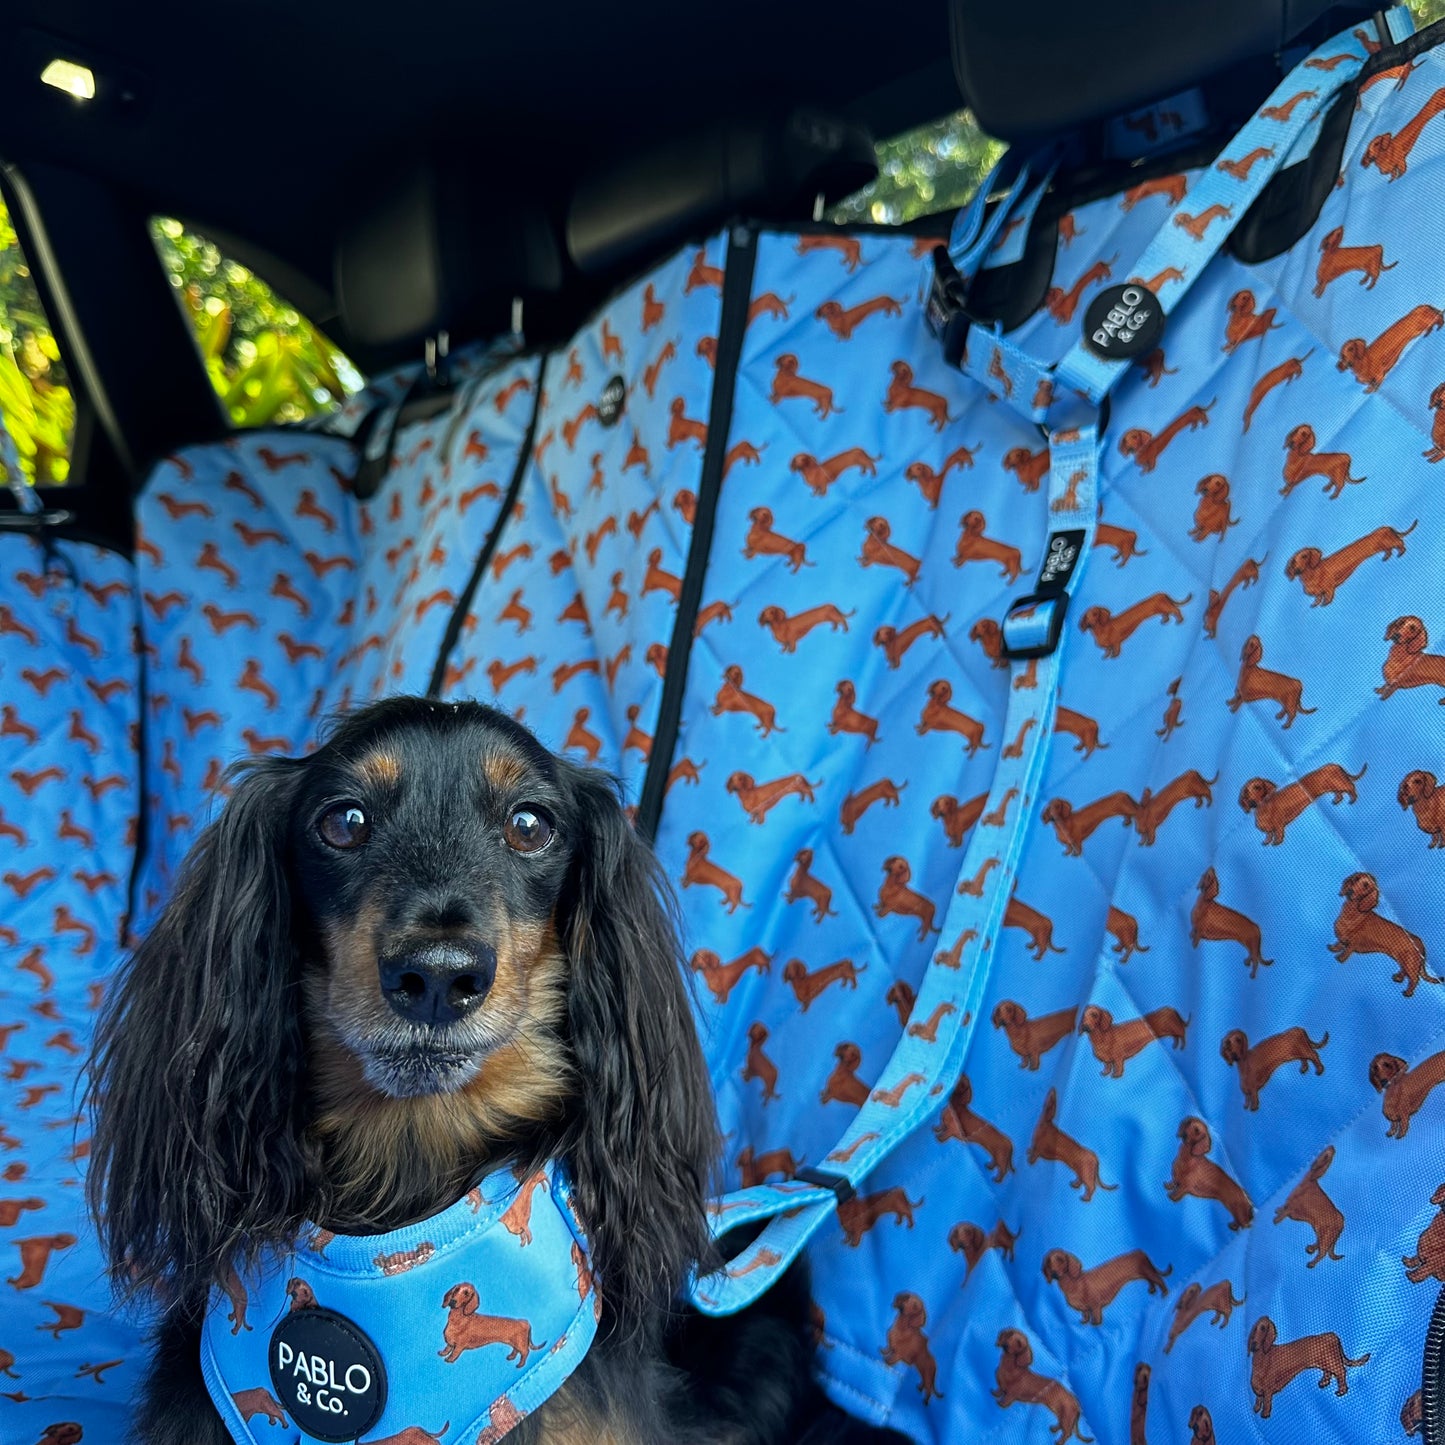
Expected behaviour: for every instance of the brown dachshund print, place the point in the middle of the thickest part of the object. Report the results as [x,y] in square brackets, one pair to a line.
[1018,1383]
[731,698]
[788,384]
[879,551]
[758,799]
[1075,825]
[1145,448]
[1030,1038]
[1040,929]
[902,394]
[789,631]
[1275,808]
[1196,226]
[1246,575]
[1195,1301]
[758,1065]
[1114,1044]
[1197,1175]
[1428,1261]
[1275,1363]
[1261,684]
[702,871]
[1153,808]
[1123,542]
[808,985]
[1338,259]
[1321,576]
[1245,323]
[1287,371]
[908,1345]
[1420,791]
[957,818]
[1029,467]
[843,1085]
[1359,929]
[1436,451]
[939,716]
[721,978]
[258,1400]
[803,887]
[1309,1204]
[975,546]
[1139,1406]
[1124,928]
[35,1255]
[958,1121]
[1213,922]
[820,475]
[1256,1065]
[1085,730]
[895,643]
[1303,461]
[467,1330]
[1051,1143]
[989,636]
[847,719]
[1412,1414]
[1407,664]
[895,896]
[755,1169]
[884,791]
[1112,632]
[1390,154]
[762,541]
[861,1213]
[1062,305]
[967,1239]
[1372,361]
[1211,516]
[1404,1089]
[1172,188]
[843,323]
[1091,1291]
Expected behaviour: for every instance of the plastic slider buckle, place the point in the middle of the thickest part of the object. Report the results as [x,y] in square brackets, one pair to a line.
[944,312]
[1028,619]
[843,1191]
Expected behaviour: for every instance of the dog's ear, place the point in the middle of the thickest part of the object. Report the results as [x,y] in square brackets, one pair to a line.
[644,1138]
[195,1074]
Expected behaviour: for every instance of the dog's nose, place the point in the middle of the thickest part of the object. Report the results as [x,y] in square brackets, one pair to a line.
[438,982]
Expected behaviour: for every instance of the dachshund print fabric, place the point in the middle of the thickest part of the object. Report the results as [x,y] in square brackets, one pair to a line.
[1192,1167]
[479,1312]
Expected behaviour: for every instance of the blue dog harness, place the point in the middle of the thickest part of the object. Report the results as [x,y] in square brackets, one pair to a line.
[467,1322]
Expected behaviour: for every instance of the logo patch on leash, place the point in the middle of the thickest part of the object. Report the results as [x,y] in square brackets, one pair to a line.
[1123,322]
[612,402]
[327,1375]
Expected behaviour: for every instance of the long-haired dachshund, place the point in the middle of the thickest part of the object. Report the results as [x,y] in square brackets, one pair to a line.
[429,950]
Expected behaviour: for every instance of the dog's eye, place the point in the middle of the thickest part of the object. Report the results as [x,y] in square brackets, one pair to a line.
[344,825]
[528,830]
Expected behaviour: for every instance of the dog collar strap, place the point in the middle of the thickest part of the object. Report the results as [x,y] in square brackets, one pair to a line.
[467,1322]
[1069,400]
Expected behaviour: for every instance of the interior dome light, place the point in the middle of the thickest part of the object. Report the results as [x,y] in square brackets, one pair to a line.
[73,79]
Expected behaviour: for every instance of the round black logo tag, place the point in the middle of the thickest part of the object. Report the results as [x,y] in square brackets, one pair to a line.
[1123,323]
[327,1374]
[614,400]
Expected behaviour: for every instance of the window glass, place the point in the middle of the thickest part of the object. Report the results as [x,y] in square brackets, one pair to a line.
[35,398]
[268,363]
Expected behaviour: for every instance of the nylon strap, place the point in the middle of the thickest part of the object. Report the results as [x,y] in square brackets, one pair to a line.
[1066,400]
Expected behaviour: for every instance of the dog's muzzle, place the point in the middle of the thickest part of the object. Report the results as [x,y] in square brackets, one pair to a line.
[438,982]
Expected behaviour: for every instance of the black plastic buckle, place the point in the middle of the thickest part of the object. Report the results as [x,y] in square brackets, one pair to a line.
[1059,601]
[843,1191]
[944,311]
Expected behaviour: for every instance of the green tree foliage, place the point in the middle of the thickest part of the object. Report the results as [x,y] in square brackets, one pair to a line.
[268,363]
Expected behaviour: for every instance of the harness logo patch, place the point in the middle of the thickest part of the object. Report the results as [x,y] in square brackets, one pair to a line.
[613,400]
[1060,560]
[1123,322]
[327,1374]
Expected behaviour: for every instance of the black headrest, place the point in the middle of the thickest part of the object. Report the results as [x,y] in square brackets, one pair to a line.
[1036,70]
[771,170]
[438,251]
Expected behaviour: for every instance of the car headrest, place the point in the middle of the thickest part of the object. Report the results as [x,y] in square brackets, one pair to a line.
[769,170]
[1033,71]
[437,251]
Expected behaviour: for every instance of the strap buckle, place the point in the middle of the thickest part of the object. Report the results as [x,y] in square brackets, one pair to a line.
[944,311]
[843,1191]
[1033,624]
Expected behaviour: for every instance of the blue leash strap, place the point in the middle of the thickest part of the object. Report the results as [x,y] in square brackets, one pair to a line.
[1067,400]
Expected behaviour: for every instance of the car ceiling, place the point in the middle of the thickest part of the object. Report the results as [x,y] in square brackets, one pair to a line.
[265,121]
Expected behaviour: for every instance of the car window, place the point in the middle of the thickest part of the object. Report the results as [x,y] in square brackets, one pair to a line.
[36,402]
[268,362]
